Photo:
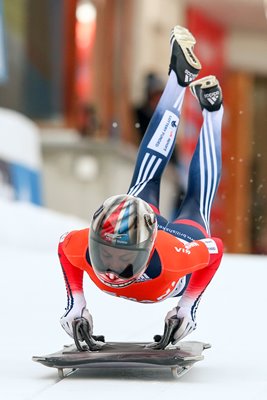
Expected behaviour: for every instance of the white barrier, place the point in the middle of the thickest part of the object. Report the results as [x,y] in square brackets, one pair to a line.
[20,158]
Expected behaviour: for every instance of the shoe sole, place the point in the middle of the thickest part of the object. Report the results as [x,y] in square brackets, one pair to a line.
[204,83]
[186,41]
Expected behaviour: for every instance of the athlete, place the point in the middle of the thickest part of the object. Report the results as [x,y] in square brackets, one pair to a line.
[130,250]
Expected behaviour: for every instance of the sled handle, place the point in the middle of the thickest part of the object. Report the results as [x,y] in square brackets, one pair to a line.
[81,333]
[167,337]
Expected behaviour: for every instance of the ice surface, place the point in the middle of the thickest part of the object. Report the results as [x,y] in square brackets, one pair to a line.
[231,316]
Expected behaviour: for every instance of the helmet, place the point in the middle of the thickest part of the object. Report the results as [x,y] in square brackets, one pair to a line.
[121,239]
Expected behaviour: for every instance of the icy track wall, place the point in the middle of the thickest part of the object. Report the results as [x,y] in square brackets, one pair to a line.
[20,158]
[30,228]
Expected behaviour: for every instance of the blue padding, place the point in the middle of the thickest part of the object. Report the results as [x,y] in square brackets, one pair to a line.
[26,182]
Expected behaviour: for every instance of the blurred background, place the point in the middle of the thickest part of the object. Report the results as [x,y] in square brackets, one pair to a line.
[79,81]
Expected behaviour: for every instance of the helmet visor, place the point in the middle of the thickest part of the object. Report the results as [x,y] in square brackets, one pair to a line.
[125,263]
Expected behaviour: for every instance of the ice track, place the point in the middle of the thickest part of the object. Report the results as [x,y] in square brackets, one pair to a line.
[231,316]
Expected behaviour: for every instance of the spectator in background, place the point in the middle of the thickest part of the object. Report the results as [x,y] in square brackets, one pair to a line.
[86,120]
[153,91]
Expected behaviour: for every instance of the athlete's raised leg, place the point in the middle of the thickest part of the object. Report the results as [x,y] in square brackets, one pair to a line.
[160,137]
[205,167]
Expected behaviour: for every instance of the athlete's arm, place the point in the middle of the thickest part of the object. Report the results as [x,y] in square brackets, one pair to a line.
[73,277]
[200,279]
[185,312]
[76,303]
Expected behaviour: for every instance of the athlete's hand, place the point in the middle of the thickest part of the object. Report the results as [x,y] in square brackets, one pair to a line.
[185,325]
[77,310]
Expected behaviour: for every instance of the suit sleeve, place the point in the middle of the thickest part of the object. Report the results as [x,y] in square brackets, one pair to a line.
[200,279]
[73,277]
